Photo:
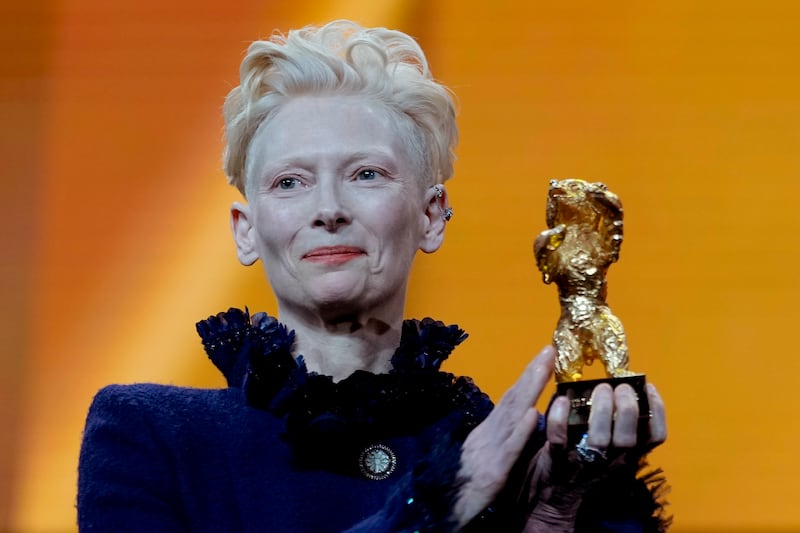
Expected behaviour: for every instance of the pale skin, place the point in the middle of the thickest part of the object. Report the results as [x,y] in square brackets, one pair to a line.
[338,206]
[347,310]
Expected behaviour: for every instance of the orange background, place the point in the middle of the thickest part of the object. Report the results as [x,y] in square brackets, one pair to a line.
[115,214]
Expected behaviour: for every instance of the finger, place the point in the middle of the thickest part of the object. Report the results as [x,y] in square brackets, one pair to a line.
[520,434]
[526,391]
[626,417]
[600,417]
[557,421]
[658,421]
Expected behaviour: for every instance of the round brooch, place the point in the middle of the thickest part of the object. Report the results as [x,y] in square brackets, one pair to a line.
[377,462]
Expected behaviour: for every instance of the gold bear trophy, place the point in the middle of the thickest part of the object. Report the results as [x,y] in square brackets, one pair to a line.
[583,240]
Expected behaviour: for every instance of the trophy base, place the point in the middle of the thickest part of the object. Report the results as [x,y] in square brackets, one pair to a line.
[580,399]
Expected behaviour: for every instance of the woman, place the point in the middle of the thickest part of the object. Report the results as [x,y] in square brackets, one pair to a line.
[337,416]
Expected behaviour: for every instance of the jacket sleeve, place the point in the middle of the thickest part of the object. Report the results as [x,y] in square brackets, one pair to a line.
[125,475]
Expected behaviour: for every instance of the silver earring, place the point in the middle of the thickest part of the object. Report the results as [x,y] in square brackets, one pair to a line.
[448,212]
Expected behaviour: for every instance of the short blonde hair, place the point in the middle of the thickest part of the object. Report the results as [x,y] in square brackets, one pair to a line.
[341,58]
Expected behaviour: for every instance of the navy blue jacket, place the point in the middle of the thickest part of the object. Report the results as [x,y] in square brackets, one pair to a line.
[281,449]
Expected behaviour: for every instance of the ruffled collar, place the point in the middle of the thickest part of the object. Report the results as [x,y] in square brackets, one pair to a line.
[233,339]
[256,354]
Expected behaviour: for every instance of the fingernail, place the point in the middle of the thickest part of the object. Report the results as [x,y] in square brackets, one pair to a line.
[560,406]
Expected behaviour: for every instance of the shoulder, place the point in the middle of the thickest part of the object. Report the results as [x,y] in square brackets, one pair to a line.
[160,423]
[161,408]
[144,395]
[152,398]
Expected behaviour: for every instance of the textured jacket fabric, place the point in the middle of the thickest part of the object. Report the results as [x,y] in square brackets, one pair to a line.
[158,458]
[281,449]
[165,458]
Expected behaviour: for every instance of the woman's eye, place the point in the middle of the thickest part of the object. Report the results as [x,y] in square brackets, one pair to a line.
[286,184]
[368,174]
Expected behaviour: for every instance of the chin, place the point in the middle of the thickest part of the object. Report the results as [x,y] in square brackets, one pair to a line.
[346,305]
[344,293]
[338,295]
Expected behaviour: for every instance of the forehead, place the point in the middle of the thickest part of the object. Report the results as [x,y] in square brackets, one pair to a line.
[322,128]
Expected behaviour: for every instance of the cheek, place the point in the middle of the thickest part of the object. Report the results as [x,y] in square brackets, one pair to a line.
[403,230]
[276,226]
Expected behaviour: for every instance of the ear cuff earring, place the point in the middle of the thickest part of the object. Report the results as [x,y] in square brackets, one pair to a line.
[448,211]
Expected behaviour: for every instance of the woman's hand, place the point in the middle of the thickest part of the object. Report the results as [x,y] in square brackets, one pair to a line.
[492,448]
[560,476]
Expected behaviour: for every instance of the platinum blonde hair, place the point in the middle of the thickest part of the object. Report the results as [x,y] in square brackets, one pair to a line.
[342,58]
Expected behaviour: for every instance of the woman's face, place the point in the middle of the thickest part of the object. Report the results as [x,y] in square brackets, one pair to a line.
[337,209]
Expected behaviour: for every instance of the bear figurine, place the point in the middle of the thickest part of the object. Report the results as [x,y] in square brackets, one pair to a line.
[583,240]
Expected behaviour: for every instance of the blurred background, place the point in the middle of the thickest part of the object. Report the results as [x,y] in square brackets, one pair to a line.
[116,236]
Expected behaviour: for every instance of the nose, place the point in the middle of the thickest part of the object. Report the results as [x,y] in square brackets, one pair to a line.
[331,212]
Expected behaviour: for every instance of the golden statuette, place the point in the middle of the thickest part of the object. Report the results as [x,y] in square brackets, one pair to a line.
[583,240]
[585,235]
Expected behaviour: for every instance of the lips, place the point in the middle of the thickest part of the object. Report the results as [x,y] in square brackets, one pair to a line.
[333,255]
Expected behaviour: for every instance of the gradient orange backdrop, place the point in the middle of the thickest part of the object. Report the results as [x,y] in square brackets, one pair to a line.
[115,214]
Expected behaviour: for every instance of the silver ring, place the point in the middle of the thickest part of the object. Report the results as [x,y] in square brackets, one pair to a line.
[448,214]
[589,454]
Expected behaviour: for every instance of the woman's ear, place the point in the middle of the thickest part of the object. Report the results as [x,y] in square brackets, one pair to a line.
[437,213]
[244,234]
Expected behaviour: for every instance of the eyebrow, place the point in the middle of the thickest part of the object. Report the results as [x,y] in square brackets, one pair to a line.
[383,157]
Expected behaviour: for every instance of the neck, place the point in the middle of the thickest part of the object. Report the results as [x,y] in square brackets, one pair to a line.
[339,347]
